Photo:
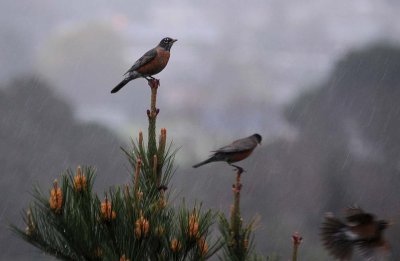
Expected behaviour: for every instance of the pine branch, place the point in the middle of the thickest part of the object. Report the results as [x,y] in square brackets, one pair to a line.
[152,116]
[296,239]
[239,241]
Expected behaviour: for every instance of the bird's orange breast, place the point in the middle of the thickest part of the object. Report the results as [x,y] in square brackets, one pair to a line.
[157,64]
[238,156]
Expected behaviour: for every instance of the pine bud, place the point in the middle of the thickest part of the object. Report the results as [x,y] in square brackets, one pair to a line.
[203,246]
[141,227]
[161,144]
[193,226]
[107,214]
[175,245]
[56,198]
[246,244]
[123,258]
[139,195]
[296,239]
[79,180]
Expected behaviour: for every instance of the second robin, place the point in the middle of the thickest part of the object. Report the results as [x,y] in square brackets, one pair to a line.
[234,152]
[360,231]
[151,63]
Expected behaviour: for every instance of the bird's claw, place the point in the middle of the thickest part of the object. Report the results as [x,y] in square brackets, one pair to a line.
[153,82]
[240,170]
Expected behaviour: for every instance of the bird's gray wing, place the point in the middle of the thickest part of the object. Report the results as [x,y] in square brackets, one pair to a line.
[147,57]
[238,145]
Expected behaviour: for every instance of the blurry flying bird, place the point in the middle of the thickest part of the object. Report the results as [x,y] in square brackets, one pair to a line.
[360,230]
[151,63]
[236,151]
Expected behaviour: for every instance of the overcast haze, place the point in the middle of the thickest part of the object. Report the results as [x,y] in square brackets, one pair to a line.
[265,51]
[239,67]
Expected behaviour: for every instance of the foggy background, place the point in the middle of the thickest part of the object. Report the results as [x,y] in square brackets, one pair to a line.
[320,81]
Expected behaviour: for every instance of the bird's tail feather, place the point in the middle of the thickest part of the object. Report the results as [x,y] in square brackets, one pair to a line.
[120,85]
[124,82]
[333,234]
[204,162]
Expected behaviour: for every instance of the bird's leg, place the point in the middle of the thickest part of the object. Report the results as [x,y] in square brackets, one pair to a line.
[240,170]
[155,79]
[153,82]
[149,78]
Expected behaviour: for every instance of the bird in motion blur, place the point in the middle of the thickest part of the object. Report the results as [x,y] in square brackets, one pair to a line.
[360,231]
[234,152]
[151,63]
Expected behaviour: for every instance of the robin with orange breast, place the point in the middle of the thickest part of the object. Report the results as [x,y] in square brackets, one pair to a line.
[234,152]
[151,63]
[360,231]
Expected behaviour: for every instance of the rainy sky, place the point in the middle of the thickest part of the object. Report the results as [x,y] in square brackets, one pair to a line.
[255,54]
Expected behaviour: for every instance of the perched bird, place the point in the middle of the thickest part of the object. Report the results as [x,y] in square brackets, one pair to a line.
[151,63]
[236,151]
[360,230]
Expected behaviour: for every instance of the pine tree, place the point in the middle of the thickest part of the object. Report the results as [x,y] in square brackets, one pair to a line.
[130,222]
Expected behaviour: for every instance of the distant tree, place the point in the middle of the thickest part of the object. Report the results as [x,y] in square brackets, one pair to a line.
[39,138]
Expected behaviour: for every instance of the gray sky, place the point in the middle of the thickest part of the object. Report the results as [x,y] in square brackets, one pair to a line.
[234,67]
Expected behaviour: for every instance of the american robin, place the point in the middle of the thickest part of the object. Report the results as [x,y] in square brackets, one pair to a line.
[360,231]
[151,63]
[236,151]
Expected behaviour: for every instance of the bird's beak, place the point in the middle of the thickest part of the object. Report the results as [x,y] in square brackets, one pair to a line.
[174,40]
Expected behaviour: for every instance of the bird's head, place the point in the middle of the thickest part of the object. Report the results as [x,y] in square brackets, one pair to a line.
[167,43]
[258,138]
